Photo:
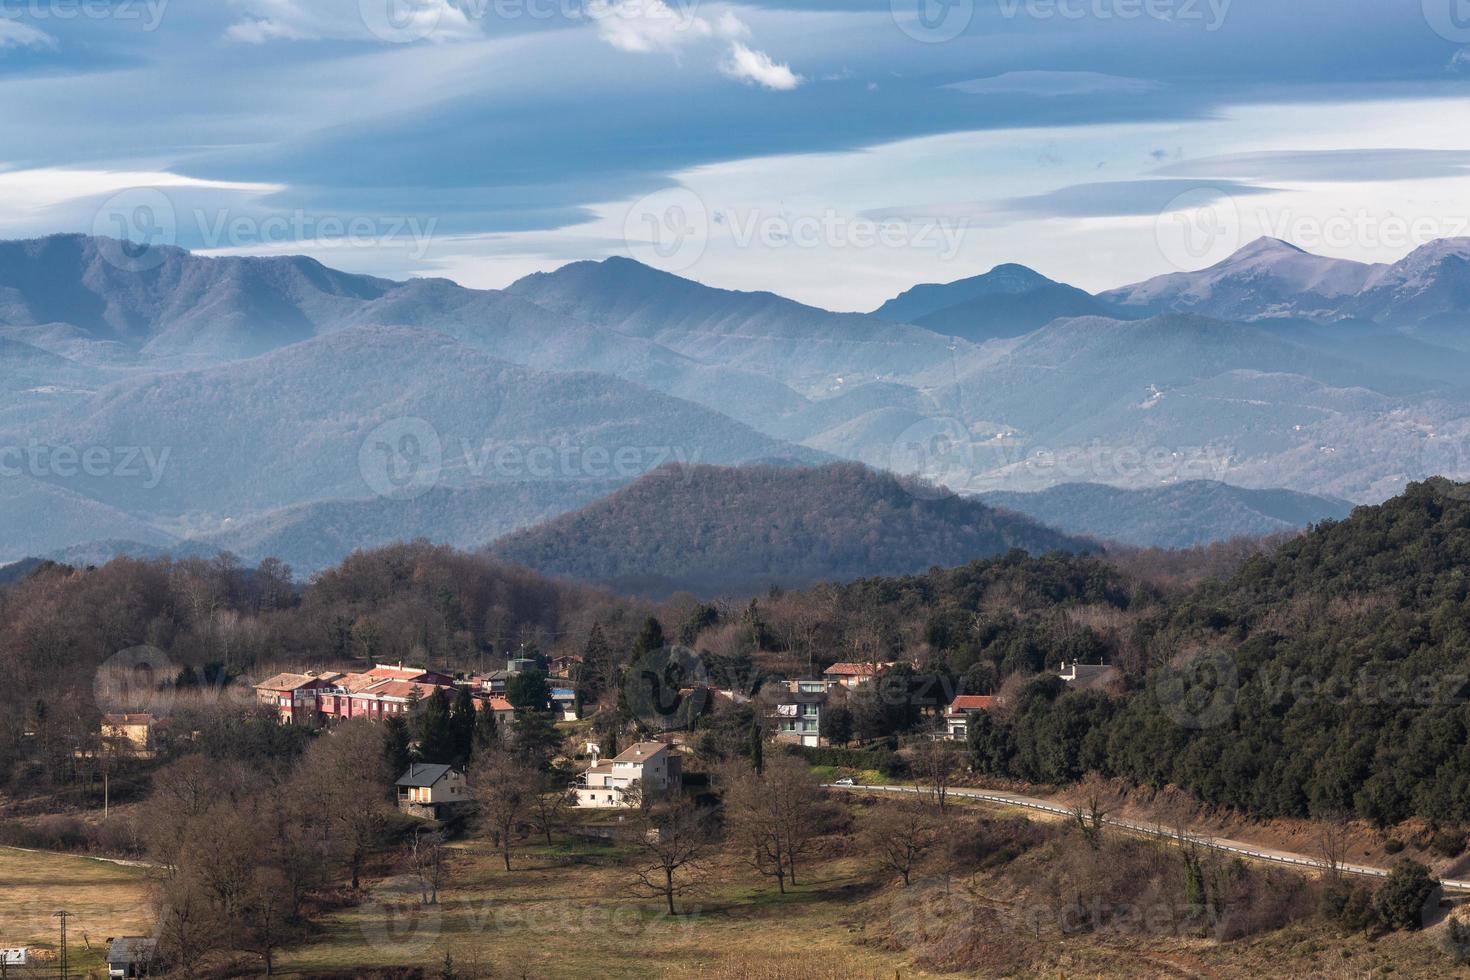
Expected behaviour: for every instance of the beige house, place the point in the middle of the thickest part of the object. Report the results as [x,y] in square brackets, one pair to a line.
[851,675]
[429,790]
[133,732]
[649,765]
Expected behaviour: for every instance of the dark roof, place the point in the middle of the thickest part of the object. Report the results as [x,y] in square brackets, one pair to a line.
[131,949]
[423,774]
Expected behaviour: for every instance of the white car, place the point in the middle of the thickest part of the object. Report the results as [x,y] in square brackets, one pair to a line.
[845,782]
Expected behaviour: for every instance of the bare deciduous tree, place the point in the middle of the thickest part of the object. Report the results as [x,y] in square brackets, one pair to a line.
[673,839]
[504,788]
[900,834]
[343,776]
[549,806]
[1332,845]
[773,814]
[428,863]
[936,763]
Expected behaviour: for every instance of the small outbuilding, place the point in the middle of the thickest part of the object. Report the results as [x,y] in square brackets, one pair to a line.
[132,956]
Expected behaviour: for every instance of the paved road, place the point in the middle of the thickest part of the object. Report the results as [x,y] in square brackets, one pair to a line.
[1256,851]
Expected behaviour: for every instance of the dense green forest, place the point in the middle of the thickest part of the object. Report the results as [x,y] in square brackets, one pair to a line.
[720,529]
[1326,676]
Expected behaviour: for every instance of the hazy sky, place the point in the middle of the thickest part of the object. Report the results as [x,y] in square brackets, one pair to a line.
[836,152]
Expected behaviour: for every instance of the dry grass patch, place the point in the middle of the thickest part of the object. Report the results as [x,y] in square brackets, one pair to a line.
[567,912]
[104,899]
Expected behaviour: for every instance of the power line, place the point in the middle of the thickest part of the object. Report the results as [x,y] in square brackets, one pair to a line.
[63,915]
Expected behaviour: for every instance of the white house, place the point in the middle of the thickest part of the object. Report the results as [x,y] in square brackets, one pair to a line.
[957,718]
[653,766]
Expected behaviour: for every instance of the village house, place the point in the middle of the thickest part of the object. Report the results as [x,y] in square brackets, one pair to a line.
[957,718]
[130,732]
[505,712]
[564,666]
[564,703]
[294,696]
[431,791]
[651,766]
[797,714]
[850,675]
[384,691]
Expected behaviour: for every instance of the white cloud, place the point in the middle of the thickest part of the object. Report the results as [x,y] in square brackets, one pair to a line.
[1461,60]
[1047,84]
[46,187]
[646,26]
[14,34]
[757,68]
[400,21]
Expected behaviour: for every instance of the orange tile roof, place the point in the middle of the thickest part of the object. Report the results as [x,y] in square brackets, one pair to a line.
[287,681]
[852,670]
[971,702]
[400,689]
[384,672]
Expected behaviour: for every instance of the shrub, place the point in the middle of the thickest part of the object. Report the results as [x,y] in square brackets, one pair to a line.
[1448,843]
[879,759]
[1392,846]
[1348,906]
[1401,900]
[1456,941]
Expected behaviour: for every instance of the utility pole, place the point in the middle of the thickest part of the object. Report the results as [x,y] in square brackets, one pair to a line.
[63,915]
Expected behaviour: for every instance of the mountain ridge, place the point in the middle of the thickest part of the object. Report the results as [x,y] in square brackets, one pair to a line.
[716,530]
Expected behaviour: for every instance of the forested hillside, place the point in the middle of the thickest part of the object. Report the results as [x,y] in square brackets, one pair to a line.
[1328,677]
[717,530]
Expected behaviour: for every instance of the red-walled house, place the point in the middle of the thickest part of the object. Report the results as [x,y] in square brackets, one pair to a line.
[294,696]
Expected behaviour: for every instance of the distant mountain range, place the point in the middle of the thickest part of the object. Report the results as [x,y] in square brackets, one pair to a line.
[274,405]
[315,536]
[1427,291]
[1007,301]
[716,530]
[1177,516]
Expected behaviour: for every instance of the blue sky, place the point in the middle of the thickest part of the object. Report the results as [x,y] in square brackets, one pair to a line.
[833,151]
